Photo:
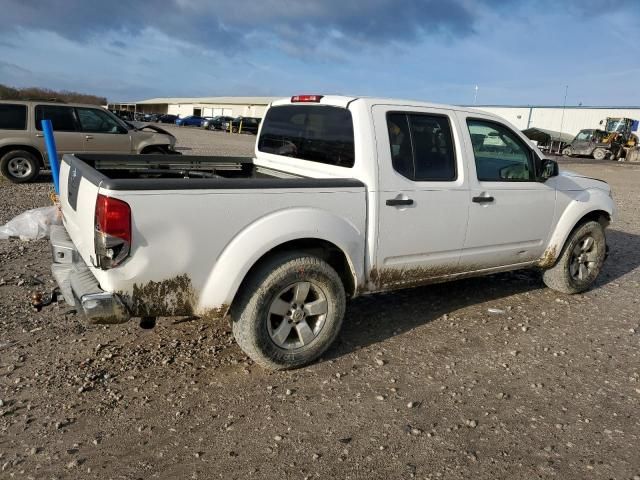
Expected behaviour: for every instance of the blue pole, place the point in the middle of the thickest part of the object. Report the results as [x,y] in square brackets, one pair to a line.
[52,153]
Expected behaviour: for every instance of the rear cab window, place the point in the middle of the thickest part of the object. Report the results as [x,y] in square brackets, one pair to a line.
[13,117]
[317,133]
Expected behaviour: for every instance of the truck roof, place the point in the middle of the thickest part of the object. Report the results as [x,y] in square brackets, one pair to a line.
[344,101]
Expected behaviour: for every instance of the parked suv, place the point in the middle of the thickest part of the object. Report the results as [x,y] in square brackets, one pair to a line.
[243,124]
[77,128]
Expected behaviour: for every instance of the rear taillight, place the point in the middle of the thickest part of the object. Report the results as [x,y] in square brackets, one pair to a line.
[306,98]
[112,231]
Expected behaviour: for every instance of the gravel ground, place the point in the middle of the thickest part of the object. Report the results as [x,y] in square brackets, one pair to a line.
[485,378]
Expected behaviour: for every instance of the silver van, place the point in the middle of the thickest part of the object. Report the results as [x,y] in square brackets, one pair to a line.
[77,129]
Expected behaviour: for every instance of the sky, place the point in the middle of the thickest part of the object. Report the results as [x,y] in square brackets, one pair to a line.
[517,52]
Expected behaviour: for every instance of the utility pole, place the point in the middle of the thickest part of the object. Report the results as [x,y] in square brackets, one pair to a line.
[475,96]
[564,105]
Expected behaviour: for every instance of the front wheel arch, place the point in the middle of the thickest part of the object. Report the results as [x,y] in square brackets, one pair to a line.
[154,149]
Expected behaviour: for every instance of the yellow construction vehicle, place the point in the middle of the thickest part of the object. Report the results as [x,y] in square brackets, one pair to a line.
[615,141]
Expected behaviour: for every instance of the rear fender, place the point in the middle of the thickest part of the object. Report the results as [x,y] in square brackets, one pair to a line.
[262,236]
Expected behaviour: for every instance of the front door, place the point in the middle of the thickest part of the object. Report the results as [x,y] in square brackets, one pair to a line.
[511,212]
[102,133]
[422,198]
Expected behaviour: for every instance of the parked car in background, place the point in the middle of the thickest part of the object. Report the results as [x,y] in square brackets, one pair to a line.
[77,129]
[243,125]
[150,117]
[124,115]
[217,123]
[167,118]
[206,121]
[342,197]
[190,121]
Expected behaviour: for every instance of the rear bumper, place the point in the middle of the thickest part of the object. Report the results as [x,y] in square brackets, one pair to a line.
[78,285]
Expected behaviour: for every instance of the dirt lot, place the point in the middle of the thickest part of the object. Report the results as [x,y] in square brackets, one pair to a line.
[423,383]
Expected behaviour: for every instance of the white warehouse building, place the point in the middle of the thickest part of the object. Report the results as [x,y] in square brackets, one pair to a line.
[568,120]
[199,106]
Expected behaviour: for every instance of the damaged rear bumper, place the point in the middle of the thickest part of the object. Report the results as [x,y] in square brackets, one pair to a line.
[78,285]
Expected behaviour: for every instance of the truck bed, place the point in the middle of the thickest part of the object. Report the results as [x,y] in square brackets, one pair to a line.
[199,222]
[171,172]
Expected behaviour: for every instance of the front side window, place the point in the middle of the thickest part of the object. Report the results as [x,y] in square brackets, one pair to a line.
[62,118]
[422,147]
[93,120]
[13,117]
[584,136]
[501,156]
[318,133]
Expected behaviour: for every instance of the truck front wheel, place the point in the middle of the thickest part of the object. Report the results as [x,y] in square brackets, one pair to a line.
[580,261]
[289,311]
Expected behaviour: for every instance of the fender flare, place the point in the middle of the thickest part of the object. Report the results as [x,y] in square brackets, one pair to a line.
[586,202]
[262,236]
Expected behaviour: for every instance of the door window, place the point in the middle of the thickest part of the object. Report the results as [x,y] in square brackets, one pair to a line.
[501,156]
[93,120]
[13,117]
[422,146]
[62,118]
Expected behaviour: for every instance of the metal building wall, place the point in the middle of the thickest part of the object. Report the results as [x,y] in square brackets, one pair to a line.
[210,109]
[551,118]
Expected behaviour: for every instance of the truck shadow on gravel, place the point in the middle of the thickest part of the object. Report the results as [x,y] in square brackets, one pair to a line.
[373,319]
[624,256]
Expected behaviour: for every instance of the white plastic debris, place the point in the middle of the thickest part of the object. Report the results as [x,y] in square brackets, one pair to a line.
[32,224]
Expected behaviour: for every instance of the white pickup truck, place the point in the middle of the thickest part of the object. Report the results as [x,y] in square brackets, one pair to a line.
[344,196]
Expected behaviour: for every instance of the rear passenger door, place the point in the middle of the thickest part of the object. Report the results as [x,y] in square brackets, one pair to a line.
[423,198]
[65,128]
[511,211]
[102,133]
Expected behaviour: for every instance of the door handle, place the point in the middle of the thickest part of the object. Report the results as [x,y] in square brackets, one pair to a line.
[39,135]
[399,202]
[482,199]
[88,137]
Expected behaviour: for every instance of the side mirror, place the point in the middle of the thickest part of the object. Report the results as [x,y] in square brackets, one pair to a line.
[549,168]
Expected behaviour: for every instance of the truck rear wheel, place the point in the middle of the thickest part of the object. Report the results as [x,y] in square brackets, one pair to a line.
[289,311]
[19,166]
[580,261]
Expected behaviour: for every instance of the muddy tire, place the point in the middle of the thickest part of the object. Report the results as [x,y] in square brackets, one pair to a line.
[567,152]
[580,261]
[600,154]
[19,166]
[289,311]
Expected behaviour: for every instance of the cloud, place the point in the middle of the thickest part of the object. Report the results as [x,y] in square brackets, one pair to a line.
[12,73]
[292,27]
[222,25]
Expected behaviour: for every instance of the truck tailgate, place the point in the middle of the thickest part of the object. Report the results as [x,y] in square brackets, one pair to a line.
[78,200]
